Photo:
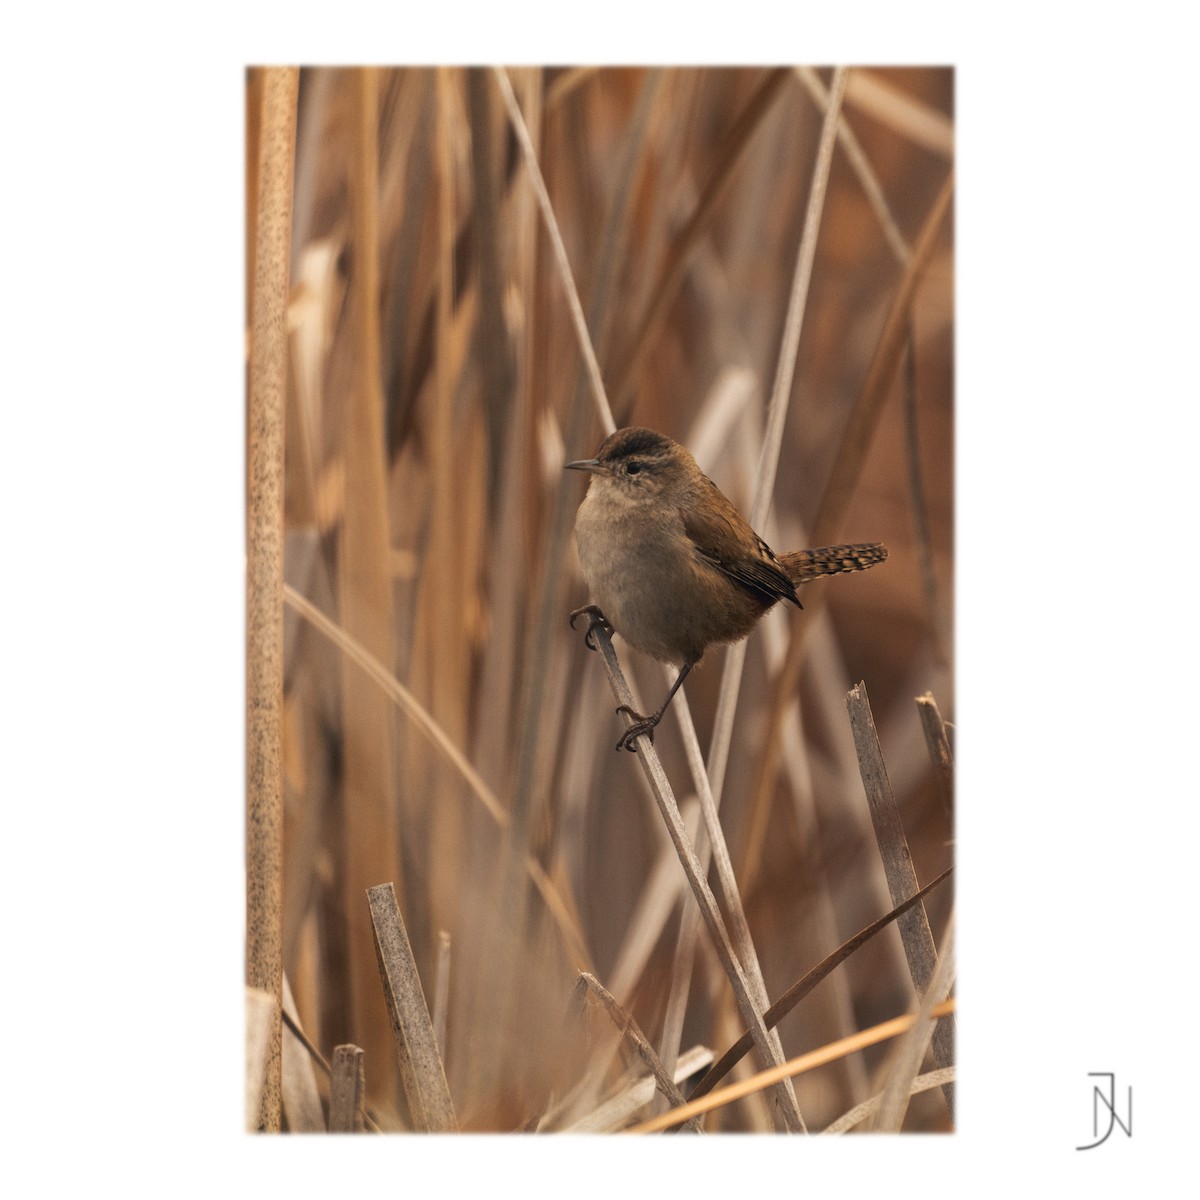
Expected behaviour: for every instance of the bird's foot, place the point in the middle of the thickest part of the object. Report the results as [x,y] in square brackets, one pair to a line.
[641,725]
[598,621]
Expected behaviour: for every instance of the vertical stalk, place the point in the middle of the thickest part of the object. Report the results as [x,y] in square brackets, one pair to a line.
[264,564]
[371,840]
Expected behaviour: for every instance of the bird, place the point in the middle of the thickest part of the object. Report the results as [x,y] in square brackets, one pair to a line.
[673,567]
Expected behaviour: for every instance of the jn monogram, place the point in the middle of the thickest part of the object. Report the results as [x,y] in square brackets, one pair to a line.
[1107,1097]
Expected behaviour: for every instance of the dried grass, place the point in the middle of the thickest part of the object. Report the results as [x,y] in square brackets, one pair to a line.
[444,731]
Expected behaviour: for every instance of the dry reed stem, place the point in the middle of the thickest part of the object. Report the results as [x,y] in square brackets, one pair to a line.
[365,591]
[347,1088]
[254,113]
[417,1055]
[911,1050]
[264,565]
[502,663]
[448,677]
[412,708]
[495,354]
[793,1067]
[919,948]
[934,729]
[665,799]
[262,1016]
[367,1120]
[627,1027]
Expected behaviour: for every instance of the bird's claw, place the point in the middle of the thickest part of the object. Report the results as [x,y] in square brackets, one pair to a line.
[598,620]
[641,725]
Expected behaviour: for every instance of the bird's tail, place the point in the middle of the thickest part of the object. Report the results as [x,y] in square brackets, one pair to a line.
[803,566]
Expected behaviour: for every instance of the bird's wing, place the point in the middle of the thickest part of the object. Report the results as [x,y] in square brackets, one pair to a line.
[723,538]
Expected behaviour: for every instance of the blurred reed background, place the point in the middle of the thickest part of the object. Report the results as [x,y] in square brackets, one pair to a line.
[435,388]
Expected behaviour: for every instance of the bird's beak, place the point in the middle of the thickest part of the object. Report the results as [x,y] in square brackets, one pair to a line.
[585,464]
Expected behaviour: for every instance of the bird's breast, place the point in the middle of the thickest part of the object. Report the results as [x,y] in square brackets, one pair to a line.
[645,574]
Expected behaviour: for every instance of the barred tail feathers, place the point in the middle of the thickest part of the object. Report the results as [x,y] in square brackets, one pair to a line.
[803,566]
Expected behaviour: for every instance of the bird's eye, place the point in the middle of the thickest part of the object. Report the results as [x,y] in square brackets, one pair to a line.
[634,466]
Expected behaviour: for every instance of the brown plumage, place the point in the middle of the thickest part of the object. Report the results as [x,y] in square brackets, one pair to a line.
[673,566]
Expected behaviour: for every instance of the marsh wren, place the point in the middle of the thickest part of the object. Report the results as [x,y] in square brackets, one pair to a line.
[673,566]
